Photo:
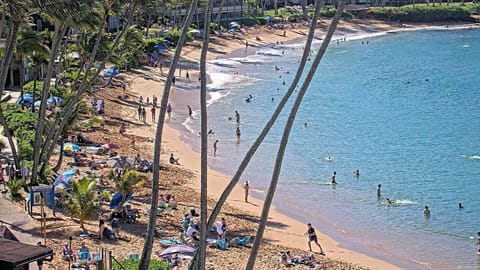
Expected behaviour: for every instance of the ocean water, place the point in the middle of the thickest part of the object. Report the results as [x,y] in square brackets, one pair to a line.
[403,109]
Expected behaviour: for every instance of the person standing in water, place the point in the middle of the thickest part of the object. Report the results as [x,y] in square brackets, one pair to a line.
[215,148]
[426,212]
[334,178]
[190,113]
[238,134]
[312,237]
[169,110]
[237,117]
[379,190]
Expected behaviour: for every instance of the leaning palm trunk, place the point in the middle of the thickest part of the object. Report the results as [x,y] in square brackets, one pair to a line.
[60,158]
[286,135]
[6,59]
[147,248]
[61,122]
[269,124]
[204,144]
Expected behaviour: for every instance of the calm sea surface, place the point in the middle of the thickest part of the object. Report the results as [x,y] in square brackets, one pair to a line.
[404,109]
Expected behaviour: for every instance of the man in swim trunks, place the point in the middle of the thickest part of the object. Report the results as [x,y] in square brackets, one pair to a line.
[313,237]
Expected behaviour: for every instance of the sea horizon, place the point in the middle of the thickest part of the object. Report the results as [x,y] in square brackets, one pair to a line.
[227,91]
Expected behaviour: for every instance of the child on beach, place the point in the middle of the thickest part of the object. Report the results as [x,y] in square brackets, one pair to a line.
[312,237]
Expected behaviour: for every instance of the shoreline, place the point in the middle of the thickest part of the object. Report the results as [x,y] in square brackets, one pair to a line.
[291,235]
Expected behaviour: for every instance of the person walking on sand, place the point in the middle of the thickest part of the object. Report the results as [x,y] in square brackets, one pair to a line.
[215,148]
[312,237]
[334,178]
[144,115]
[169,110]
[190,113]
[153,110]
[246,187]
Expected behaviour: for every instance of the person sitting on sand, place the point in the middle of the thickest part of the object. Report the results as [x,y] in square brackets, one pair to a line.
[192,227]
[67,253]
[162,203]
[173,160]
[172,203]
[221,228]
[122,128]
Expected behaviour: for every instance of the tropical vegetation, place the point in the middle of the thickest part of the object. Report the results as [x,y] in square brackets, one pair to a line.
[82,201]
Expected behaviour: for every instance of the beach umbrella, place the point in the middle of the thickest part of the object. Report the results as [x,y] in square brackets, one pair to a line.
[27,98]
[117,199]
[54,99]
[268,18]
[110,146]
[71,147]
[65,178]
[177,249]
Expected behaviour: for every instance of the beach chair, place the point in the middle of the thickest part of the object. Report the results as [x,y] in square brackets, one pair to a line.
[134,256]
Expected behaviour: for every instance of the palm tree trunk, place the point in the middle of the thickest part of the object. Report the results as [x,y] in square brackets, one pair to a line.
[275,6]
[303,3]
[286,135]
[60,31]
[204,140]
[59,162]
[147,248]
[9,136]
[219,16]
[269,124]
[84,86]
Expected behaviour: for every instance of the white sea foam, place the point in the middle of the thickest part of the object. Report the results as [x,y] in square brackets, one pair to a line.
[465,46]
[405,202]
[224,63]
[269,52]
[472,157]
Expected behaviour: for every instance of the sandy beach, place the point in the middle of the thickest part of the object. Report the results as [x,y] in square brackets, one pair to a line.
[282,233]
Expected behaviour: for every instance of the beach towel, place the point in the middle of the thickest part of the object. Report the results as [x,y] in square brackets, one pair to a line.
[171,241]
[243,241]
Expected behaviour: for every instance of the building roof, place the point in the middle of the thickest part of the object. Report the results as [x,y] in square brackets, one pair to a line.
[15,254]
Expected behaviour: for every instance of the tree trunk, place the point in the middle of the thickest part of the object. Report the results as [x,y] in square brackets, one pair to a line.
[275,6]
[286,135]
[59,162]
[147,248]
[303,3]
[9,136]
[269,124]
[84,86]
[219,16]
[60,31]
[204,144]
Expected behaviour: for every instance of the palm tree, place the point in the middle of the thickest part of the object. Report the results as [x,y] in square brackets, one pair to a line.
[81,202]
[147,248]
[29,43]
[204,139]
[286,135]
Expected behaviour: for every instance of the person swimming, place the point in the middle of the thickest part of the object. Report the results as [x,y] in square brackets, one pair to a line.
[389,202]
[460,206]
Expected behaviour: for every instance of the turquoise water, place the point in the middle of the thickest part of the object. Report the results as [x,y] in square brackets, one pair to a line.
[403,109]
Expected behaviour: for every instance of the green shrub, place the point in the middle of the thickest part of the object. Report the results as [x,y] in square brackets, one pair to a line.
[130,264]
[30,86]
[15,187]
[422,13]
[330,12]
[25,150]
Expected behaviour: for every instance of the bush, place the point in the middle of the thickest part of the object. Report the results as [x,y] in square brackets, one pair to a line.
[422,13]
[330,12]
[130,264]
[25,150]
[30,86]
[15,187]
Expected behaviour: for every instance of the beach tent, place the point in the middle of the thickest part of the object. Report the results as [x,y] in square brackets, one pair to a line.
[117,199]
[178,249]
[120,162]
[64,180]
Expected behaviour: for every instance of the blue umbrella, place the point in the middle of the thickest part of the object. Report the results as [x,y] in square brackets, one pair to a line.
[234,25]
[65,178]
[268,18]
[117,199]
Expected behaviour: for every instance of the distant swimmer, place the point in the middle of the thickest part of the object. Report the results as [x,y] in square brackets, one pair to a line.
[460,206]
[249,99]
[356,173]
[379,190]
[237,132]
[283,83]
[427,80]
[273,99]
[210,132]
[329,159]
[426,212]
[389,202]
[305,125]
[334,178]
